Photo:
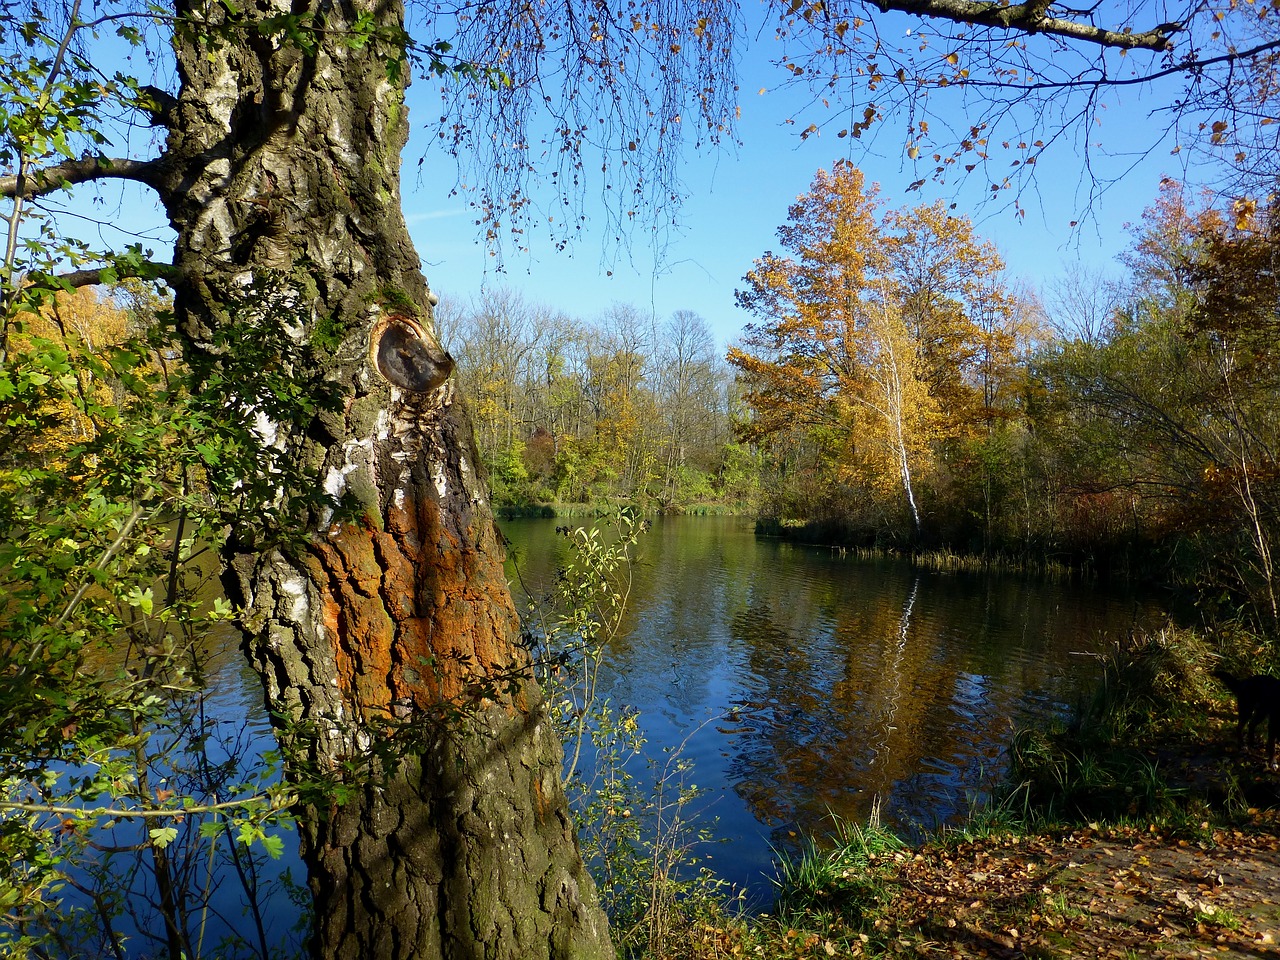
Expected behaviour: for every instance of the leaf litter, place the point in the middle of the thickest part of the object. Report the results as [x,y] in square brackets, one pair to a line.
[1117,892]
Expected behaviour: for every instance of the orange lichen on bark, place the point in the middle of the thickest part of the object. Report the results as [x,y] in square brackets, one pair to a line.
[357,622]
[416,614]
[460,634]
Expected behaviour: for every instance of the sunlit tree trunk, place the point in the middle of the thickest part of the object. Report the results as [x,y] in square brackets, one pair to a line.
[898,398]
[455,840]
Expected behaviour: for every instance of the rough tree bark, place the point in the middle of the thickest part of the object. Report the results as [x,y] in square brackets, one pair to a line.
[283,160]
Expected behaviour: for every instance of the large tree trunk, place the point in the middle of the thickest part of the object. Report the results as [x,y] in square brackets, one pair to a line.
[452,836]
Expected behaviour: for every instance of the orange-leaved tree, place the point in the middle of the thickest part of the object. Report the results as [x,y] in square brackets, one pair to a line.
[876,338]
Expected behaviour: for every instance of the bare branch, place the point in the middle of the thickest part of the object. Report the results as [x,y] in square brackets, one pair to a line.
[49,179]
[1032,17]
[1189,66]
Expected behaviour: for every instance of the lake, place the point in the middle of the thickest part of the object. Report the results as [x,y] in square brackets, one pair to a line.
[800,683]
[803,683]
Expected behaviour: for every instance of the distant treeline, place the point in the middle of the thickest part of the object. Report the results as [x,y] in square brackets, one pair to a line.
[581,413]
[902,396]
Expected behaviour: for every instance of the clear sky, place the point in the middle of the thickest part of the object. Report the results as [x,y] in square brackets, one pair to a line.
[739,196]
[735,207]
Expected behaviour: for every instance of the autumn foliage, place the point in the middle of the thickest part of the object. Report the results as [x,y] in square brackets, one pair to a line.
[70,322]
[906,396]
[883,344]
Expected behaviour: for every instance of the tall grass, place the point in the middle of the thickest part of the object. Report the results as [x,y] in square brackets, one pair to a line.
[844,874]
[1106,761]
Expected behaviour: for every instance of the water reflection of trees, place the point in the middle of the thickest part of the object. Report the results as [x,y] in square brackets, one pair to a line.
[837,681]
[882,683]
[829,720]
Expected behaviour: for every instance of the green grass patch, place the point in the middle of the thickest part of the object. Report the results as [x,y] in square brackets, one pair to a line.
[844,876]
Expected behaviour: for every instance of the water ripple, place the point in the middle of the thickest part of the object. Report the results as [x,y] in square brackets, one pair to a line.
[831,683]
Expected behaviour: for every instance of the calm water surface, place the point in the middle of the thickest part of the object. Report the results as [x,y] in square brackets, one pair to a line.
[800,683]
[804,684]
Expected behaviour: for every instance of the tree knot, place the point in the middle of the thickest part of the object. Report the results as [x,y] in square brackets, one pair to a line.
[407,355]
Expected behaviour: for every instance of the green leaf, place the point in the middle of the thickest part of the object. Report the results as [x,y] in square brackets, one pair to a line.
[209,454]
[140,599]
[274,846]
[163,836]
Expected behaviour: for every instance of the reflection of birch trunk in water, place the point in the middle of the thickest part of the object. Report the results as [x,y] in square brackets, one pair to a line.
[894,672]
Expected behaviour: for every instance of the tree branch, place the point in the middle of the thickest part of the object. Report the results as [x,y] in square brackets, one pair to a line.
[1100,81]
[158,104]
[92,276]
[1032,17]
[50,179]
[122,813]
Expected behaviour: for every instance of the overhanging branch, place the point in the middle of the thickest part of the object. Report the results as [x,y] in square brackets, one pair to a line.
[93,276]
[1033,17]
[49,179]
[1100,80]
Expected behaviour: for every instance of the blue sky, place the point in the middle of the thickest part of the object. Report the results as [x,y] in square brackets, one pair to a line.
[735,207]
[739,196]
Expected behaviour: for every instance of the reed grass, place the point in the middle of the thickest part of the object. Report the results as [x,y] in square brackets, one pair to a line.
[844,874]
[946,561]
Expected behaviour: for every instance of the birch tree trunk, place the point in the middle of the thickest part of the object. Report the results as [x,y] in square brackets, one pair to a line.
[453,838]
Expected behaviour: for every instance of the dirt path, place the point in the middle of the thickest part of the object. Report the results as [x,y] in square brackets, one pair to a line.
[1089,894]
